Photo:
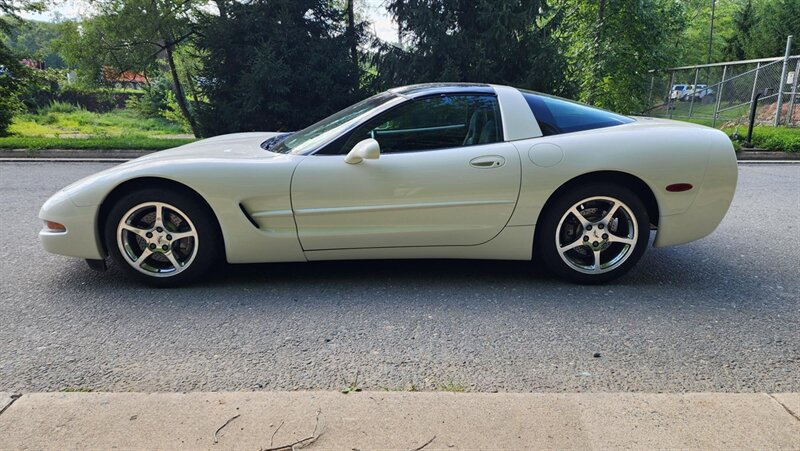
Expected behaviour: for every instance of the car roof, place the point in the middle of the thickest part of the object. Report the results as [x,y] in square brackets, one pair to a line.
[426,89]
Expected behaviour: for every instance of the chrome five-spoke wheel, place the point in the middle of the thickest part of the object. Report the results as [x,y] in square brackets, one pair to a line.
[157,239]
[596,235]
[592,232]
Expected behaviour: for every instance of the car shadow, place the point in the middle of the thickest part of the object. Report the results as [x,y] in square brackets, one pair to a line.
[672,274]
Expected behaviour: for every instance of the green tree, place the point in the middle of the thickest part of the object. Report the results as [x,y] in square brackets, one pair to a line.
[744,19]
[34,39]
[276,65]
[613,44]
[11,72]
[776,19]
[506,42]
[133,35]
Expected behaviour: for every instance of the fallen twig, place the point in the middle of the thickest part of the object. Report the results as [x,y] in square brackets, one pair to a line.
[425,444]
[306,441]
[273,434]
[226,423]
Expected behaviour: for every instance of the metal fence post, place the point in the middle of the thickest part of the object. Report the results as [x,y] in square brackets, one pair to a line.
[669,92]
[719,95]
[755,82]
[650,94]
[783,80]
[790,111]
[694,91]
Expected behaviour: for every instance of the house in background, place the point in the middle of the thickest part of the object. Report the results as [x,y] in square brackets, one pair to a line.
[124,80]
[33,64]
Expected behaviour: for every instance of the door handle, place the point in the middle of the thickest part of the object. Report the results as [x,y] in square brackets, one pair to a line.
[487,162]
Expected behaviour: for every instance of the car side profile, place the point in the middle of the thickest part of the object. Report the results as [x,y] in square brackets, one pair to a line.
[446,170]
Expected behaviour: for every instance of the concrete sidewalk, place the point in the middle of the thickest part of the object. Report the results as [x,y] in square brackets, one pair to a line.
[399,420]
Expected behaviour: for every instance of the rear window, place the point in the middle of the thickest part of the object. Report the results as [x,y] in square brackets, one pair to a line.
[556,115]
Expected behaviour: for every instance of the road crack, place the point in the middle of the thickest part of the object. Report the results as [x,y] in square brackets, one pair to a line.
[14,399]
[788,410]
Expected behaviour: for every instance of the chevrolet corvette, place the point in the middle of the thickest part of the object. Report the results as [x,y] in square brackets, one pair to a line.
[443,170]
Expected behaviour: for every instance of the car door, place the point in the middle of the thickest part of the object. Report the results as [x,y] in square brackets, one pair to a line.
[444,177]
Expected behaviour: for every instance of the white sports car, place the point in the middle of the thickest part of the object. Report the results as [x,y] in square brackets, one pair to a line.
[425,171]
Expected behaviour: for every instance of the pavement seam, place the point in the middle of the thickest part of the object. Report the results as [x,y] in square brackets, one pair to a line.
[788,410]
[14,399]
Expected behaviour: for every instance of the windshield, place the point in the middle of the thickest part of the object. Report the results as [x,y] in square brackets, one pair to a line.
[309,137]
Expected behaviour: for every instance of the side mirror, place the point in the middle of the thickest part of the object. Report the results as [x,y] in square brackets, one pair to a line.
[368,149]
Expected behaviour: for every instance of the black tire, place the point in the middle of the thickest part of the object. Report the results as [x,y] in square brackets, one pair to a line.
[546,242]
[207,244]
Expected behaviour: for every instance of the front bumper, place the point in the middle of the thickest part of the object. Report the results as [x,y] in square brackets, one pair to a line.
[80,238]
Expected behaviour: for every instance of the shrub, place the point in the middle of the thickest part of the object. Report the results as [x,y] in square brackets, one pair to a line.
[779,139]
[59,107]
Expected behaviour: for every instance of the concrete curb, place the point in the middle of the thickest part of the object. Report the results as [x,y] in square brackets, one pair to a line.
[401,420]
[749,155]
[764,155]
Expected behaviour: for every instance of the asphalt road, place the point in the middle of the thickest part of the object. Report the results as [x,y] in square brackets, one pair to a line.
[720,314]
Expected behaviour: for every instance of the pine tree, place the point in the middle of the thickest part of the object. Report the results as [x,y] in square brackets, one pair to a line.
[273,65]
[489,41]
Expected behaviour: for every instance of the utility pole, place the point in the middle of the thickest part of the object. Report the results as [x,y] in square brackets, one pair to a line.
[711,32]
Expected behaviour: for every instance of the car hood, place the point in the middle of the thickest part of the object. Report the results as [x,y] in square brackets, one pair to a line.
[237,145]
[208,154]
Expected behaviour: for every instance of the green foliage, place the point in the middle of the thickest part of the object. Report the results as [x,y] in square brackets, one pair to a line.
[61,119]
[132,35]
[739,40]
[778,139]
[36,40]
[124,142]
[9,104]
[10,72]
[275,65]
[59,107]
[743,29]
[776,19]
[505,42]
[451,386]
[612,45]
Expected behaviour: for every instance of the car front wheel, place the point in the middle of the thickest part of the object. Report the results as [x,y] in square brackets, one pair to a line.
[162,238]
[593,234]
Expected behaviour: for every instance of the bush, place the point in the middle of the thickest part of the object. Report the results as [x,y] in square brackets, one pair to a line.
[778,139]
[9,86]
[41,88]
[59,107]
[153,103]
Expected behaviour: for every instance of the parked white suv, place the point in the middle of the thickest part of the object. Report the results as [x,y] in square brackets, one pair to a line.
[677,92]
[700,92]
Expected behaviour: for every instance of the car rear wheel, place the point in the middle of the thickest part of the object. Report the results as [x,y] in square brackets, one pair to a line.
[593,233]
[162,238]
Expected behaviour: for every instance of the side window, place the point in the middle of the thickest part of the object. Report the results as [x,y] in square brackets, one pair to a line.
[433,123]
[556,115]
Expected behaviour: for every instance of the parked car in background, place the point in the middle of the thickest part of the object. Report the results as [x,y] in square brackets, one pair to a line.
[700,92]
[677,92]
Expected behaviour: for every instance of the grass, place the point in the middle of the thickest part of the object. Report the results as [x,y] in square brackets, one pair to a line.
[777,139]
[451,386]
[76,390]
[58,120]
[65,126]
[786,139]
[124,142]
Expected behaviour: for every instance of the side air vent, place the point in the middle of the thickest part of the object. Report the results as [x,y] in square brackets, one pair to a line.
[249,218]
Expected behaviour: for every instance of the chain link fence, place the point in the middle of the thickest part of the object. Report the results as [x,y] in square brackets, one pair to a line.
[721,94]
